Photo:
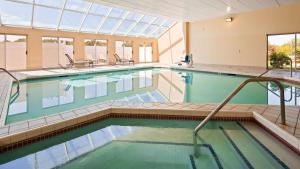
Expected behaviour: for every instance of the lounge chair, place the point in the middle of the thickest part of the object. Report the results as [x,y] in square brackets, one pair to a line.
[83,62]
[119,60]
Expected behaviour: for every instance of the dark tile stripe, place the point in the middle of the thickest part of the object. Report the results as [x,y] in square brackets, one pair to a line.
[215,155]
[212,151]
[249,165]
[193,162]
[264,147]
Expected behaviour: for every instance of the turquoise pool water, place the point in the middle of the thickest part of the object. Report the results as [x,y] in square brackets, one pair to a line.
[146,144]
[52,95]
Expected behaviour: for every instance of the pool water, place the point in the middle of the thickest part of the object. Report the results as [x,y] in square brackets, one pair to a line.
[47,96]
[145,144]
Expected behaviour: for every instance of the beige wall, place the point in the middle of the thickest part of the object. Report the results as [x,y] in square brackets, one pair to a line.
[243,41]
[34,43]
[171,45]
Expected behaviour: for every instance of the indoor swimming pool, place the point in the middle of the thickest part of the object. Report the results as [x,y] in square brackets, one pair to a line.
[46,96]
[160,144]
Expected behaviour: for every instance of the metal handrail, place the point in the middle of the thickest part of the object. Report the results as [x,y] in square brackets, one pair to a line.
[236,91]
[17,80]
[291,66]
[286,100]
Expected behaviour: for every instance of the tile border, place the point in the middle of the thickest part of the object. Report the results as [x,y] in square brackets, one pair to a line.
[19,139]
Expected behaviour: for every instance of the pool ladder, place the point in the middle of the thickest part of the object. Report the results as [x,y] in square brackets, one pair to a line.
[17,80]
[236,91]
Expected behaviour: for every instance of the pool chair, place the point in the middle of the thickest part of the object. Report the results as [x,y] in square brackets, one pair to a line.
[82,62]
[123,61]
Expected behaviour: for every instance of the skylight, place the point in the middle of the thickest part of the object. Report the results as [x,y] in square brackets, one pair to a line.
[82,16]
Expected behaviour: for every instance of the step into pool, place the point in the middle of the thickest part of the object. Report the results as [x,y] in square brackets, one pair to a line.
[42,97]
[159,144]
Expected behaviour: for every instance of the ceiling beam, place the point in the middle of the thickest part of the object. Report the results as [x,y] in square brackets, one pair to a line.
[150,23]
[103,21]
[61,14]
[133,26]
[32,13]
[85,16]
[120,22]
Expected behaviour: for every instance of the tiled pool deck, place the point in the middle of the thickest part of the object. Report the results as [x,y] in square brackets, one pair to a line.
[266,115]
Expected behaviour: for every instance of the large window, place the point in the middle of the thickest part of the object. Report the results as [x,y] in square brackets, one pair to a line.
[145,53]
[81,16]
[13,52]
[281,47]
[54,50]
[96,50]
[124,49]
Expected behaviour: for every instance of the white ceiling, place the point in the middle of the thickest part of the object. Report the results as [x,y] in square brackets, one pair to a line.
[193,10]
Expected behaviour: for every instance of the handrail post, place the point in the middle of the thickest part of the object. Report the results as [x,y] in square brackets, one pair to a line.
[228,98]
[291,66]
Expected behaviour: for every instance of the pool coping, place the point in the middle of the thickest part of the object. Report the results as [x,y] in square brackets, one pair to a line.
[25,132]
[291,140]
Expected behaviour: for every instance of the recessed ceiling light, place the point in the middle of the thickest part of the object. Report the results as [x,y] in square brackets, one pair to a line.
[229,19]
[228,9]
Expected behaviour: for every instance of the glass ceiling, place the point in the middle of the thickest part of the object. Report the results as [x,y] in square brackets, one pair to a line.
[81,16]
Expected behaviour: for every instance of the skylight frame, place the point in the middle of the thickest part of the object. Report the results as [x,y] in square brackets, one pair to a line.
[61,6]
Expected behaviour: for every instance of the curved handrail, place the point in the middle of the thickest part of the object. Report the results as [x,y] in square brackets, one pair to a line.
[17,80]
[236,91]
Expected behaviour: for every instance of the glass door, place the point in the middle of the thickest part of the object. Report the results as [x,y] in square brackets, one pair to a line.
[281,47]
[101,51]
[50,52]
[89,48]
[145,53]
[16,52]
[65,47]
[128,50]
[148,53]
[142,58]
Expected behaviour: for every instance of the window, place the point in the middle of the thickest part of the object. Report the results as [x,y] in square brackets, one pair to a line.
[54,50]
[65,47]
[46,17]
[50,52]
[124,49]
[82,16]
[13,13]
[96,50]
[69,20]
[145,53]
[13,56]
[91,23]
[283,46]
